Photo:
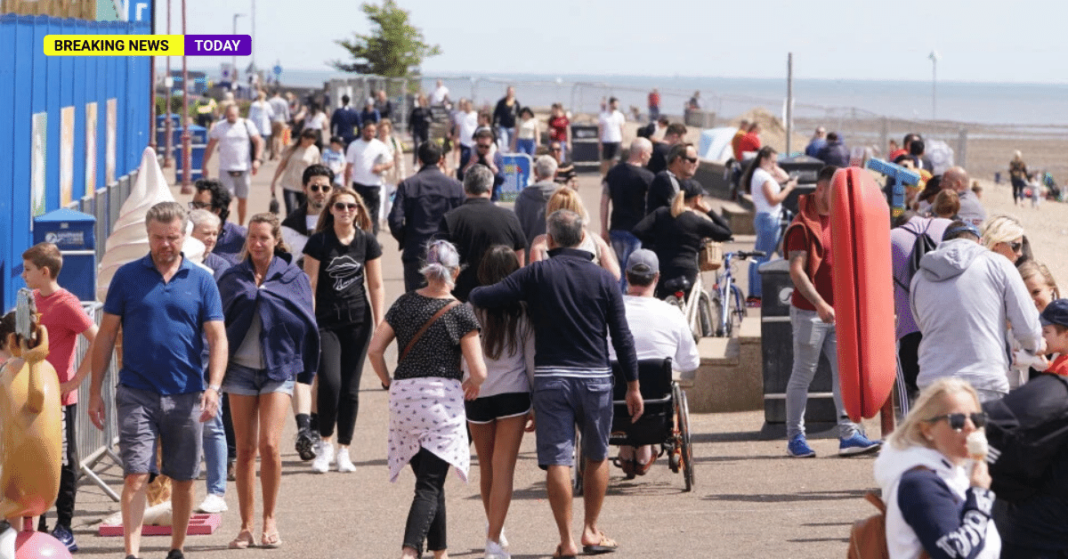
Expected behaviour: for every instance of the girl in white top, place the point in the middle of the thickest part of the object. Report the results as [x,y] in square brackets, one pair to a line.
[394,175]
[298,157]
[502,411]
[526,138]
[761,180]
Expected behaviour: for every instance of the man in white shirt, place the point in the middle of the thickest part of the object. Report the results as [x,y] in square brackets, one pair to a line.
[236,164]
[465,122]
[663,332]
[366,159]
[610,132]
[440,95]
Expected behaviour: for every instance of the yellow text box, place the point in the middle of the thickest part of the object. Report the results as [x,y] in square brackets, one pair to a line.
[114,45]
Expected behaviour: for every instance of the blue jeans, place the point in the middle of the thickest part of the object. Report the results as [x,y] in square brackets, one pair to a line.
[624,243]
[767,240]
[525,146]
[812,337]
[215,454]
[504,138]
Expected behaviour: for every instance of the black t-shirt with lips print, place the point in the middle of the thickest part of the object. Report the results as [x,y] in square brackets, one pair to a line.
[340,297]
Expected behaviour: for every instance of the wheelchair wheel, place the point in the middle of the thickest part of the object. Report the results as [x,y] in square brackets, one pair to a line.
[685,446]
[580,465]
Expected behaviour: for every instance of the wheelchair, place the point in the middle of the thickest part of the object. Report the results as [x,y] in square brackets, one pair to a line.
[665,422]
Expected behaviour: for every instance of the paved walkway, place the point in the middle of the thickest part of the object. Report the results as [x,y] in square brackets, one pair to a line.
[749,499]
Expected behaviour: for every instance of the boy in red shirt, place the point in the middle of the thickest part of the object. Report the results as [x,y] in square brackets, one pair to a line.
[1054,320]
[62,314]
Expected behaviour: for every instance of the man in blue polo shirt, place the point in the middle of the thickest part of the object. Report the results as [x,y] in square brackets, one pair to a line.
[166,306]
[574,304]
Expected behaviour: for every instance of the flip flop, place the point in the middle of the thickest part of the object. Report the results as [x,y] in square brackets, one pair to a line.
[642,469]
[606,545]
[242,541]
[271,541]
[560,553]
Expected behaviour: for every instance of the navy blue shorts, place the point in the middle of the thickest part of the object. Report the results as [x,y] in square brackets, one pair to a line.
[561,404]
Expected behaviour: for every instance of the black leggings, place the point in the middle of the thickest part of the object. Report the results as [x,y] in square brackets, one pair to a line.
[372,198]
[68,477]
[908,353]
[293,200]
[342,354]
[1018,186]
[426,518]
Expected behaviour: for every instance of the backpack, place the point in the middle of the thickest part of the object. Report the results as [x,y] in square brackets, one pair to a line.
[867,537]
[924,244]
[1026,429]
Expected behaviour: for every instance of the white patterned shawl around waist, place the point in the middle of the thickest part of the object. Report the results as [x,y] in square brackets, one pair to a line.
[427,413]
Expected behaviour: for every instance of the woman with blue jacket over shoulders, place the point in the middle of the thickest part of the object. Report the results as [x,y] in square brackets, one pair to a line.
[270,324]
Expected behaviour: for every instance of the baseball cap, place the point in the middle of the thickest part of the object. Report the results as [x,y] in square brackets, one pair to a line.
[643,262]
[1055,313]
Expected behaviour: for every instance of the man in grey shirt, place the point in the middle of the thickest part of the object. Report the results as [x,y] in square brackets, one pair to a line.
[530,205]
[971,210]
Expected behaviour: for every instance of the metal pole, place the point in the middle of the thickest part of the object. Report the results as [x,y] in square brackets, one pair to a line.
[934,88]
[152,86]
[233,60]
[254,67]
[789,100]
[169,141]
[184,119]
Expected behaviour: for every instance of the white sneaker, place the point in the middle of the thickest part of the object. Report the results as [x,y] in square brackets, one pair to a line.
[344,464]
[496,551]
[213,504]
[504,539]
[324,459]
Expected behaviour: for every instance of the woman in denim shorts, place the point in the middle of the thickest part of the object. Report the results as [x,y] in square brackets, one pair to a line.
[271,329]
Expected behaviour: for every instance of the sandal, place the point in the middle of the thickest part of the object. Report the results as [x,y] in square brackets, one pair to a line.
[642,469]
[606,545]
[242,541]
[560,553]
[271,541]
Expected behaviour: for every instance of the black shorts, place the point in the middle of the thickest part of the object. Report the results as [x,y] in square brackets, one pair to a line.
[501,406]
[609,151]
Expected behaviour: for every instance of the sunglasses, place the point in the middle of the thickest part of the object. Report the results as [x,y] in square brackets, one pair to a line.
[319,188]
[199,205]
[691,159]
[483,146]
[343,207]
[1017,246]
[956,420]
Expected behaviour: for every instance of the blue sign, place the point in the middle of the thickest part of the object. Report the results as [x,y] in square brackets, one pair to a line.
[138,10]
[277,69]
[517,171]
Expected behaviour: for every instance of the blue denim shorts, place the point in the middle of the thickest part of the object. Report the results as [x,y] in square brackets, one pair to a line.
[561,404]
[243,381]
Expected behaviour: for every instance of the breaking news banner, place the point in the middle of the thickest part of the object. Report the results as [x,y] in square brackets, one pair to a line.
[147,45]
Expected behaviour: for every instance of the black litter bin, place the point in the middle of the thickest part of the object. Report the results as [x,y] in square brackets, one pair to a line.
[807,169]
[585,149]
[778,356]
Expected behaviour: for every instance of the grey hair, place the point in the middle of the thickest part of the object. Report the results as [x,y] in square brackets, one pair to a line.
[565,227]
[442,261]
[167,212]
[478,180]
[640,146]
[545,167]
[201,217]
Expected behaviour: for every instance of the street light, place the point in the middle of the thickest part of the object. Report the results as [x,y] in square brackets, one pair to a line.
[934,56]
[233,63]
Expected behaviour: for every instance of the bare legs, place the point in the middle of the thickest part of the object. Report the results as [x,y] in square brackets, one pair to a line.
[497,445]
[258,422]
[595,484]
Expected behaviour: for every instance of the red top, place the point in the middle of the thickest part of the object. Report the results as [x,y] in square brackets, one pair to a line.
[654,99]
[62,314]
[558,128]
[896,153]
[749,142]
[1059,366]
[795,241]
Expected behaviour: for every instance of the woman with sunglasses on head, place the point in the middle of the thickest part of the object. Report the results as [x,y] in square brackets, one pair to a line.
[295,160]
[935,483]
[763,180]
[340,258]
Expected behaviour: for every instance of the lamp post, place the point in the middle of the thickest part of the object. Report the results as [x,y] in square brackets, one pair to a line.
[934,56]
[233,62]
[253,36]
[187,188]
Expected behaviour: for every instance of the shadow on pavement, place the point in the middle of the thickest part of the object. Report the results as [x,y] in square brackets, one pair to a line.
[791,497]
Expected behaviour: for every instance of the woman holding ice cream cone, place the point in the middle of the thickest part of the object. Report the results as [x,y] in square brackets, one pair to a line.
[935,481]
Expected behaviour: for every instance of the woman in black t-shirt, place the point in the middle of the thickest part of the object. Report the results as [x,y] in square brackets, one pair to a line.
[339,258]
[677,232]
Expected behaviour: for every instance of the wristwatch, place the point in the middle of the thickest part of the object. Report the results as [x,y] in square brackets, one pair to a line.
[214,387]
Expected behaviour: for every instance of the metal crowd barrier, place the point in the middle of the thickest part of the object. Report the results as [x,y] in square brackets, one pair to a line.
[94,445]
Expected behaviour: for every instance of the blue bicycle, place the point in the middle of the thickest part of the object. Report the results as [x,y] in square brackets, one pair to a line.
[728,302]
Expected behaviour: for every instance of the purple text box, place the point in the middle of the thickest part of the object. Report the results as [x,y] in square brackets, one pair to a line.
[218,45]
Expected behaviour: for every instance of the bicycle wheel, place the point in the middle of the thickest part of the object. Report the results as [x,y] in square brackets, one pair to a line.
[717,317]
[675,302]
[704,316]
[731,314]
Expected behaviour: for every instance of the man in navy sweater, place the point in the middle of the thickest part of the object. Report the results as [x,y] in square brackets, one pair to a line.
[574,304]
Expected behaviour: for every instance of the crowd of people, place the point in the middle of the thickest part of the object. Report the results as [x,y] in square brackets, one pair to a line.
[514,314]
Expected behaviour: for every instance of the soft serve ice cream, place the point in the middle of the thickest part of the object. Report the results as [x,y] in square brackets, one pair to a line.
[978,447]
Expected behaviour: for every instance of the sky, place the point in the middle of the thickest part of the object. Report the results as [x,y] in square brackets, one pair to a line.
[978,40]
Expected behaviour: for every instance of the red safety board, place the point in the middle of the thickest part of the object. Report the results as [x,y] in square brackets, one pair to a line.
[863,292]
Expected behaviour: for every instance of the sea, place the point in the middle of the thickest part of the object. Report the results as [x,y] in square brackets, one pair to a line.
[1032,105]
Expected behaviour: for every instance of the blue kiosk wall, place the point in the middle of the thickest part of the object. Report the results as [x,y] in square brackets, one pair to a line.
[62,95]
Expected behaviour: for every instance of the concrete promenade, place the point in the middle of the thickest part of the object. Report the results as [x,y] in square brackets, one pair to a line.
[749,500]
